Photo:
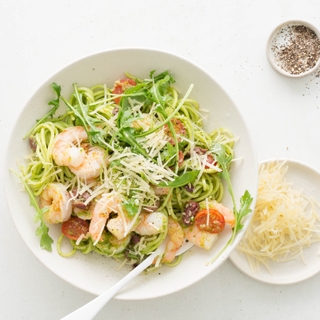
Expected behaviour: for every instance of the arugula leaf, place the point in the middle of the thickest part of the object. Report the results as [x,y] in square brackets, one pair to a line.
[180,181]
[224,161]
[42,231]
[131,206]
[153,90]
[127,119]
[127,135]
[245,202]
[168,155]
[161,75]
[161,111]
[126,132]
[55,103]
[45,240]
[96,135]
[160,86]
[139,92]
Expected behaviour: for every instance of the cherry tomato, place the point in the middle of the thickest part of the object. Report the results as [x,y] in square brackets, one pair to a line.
[210,220]
[74,228]
[120,86]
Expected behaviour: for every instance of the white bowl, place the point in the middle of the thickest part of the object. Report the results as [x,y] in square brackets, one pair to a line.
[279,37]
[94,273]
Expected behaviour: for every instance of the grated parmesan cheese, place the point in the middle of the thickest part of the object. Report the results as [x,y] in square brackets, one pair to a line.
[284,223]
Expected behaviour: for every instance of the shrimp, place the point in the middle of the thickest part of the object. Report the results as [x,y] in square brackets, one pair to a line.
[202,239]
[66,149]
[56,198]
[101,210]
[121,225]
[92,164]
[69,150]
[226,212]
[176,237]
[116,227]
[151,223]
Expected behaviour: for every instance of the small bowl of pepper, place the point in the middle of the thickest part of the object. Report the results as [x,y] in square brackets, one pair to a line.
[294,48]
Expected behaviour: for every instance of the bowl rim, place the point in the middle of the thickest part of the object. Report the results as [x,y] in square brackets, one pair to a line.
[269,46]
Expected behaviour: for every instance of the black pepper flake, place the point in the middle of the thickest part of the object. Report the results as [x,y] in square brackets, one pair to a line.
[297,49]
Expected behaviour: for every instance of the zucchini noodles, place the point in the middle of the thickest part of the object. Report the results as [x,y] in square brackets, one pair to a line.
[120,167]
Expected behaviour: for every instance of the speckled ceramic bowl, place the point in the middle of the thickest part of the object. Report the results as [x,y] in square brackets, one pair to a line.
[293,48]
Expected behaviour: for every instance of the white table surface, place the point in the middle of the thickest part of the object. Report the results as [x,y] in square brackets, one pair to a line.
[228,39]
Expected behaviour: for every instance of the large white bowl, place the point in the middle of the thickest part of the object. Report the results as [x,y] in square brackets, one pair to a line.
[94,273]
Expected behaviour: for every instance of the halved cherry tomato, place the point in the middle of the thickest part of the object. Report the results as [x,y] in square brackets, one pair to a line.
[74,228]
[120,86]
[210,220]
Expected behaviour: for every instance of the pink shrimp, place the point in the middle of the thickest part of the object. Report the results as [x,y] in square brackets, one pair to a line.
[176,237]
[100,213]
[200,238]
[71,150]
[56,199]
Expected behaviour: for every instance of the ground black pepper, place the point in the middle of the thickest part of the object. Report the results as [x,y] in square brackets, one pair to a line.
[296,49]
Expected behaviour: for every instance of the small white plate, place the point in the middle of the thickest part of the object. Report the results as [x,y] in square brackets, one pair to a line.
[303,178]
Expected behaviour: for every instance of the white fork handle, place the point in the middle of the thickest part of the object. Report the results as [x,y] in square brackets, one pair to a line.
[90,310]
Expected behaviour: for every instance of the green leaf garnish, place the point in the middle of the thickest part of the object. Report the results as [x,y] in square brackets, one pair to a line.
[127,135]
[139,92]
[224,161]
[168,155]
[182,180]
[95,135]
[42,231]
[131,206]
[55,103]
[160,86]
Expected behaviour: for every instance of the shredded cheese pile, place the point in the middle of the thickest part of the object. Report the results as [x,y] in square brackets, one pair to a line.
[284,223]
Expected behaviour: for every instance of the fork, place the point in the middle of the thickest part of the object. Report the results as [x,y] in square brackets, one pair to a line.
[90,310]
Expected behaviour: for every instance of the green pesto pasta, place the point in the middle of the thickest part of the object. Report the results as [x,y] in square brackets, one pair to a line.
[121,166]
